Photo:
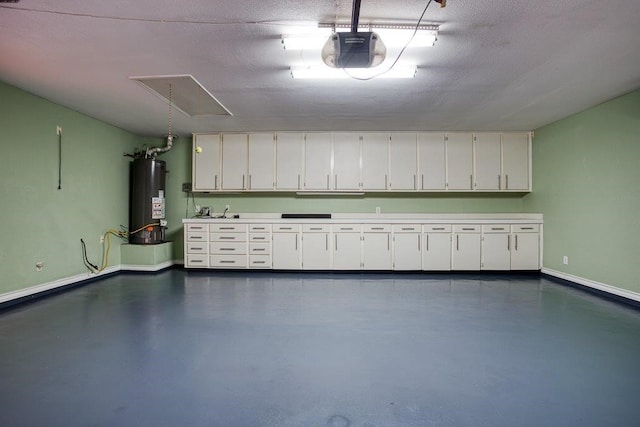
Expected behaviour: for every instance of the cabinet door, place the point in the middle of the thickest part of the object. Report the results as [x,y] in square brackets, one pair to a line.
[525,251]
[407,251]
[515,161]
[346,251]
[261,161]
[436,253]
[403,162]
[496,252]
[376,251]
[317,164]
[375,161]
[465,253]
[316,254]
[459,161]
[289,160]
[346,161]
[206,162]
[487,161]
[431,161]
[285,251]
[234,161]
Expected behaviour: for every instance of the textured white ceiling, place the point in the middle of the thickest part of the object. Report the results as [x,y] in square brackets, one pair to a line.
[497,65]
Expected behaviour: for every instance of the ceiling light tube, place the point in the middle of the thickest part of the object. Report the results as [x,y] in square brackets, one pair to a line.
[321,72]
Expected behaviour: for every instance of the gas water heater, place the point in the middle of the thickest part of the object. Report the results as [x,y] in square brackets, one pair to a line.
[147,216]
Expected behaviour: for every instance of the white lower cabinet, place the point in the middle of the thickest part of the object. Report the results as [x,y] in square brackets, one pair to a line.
[465,251]
[496,247]
[376,247]
[316,253]
[347,247]
[286,248]
[407,247]
[525,250]
[436,247]
[284,245]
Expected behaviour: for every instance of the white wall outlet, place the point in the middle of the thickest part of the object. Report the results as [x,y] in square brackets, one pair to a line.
[102,238]
[58,130]
[39,266]
[565,260]
[378,210]
[227,207]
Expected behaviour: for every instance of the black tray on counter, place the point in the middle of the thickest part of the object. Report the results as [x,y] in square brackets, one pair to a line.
[306,215]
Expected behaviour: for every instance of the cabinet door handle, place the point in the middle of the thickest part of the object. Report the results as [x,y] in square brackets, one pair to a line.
[457,242]
[298,181]
[296,242]
[419,245]
[328,182]
[422,182]
[326,242]
[215,182]
[386,181]
[508,242]
[516,248]
[335,181]
[335,239]
[414,181]
[506,177]
[388,242]
[498,181]
[427,242]
[470,182]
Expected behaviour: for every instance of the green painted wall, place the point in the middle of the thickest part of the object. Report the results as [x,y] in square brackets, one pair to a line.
[179,164]
[40,222]
[586,173]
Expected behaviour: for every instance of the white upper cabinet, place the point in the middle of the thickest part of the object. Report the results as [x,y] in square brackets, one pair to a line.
[403,162]
[487,161]
[346,161]
[317,154]
[459,161]
[516,161]
[289,160]
[375,161]
[206,162]
[234,161]
[431,161]
[261,161]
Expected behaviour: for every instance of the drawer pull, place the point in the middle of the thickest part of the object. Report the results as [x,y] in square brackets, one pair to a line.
[227,262]
[259,262]
[193,227]
[259,249]
[438,228]
[315,228]
[408,228]
[285,228]
[196,261]
[259,238]
[258,228]
[194,248]
[378,228]
[227,249]
[468,229]
[196,237]
[227,238]
[227,228]
[497,228]
[346,228]
[526,228]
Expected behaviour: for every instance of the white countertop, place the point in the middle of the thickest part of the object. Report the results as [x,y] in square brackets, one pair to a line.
[387,218]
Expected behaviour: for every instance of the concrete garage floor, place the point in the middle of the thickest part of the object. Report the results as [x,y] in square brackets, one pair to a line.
[281,349]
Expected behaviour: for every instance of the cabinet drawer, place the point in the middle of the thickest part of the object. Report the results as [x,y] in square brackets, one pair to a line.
[465,228]
[197,227]
[228,248]
[406,228]
[228,228]
[259,249]
[258,238]
[196,261]
[196,237]
[376,228]
[496,228]
[525,228]
[436,228]
[228,261]
[286,228]
[316,228]
[259,228]
[228,237]
[259,261]
[196,248]
[346,228]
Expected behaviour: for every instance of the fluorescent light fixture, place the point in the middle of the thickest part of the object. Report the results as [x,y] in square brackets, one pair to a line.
[323,72]
[391,35]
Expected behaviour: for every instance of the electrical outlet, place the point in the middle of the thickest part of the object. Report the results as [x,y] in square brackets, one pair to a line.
[102,238]
[565,260]
[227,207]
[186,187]
[378,210]
[58,130]
[39,266]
